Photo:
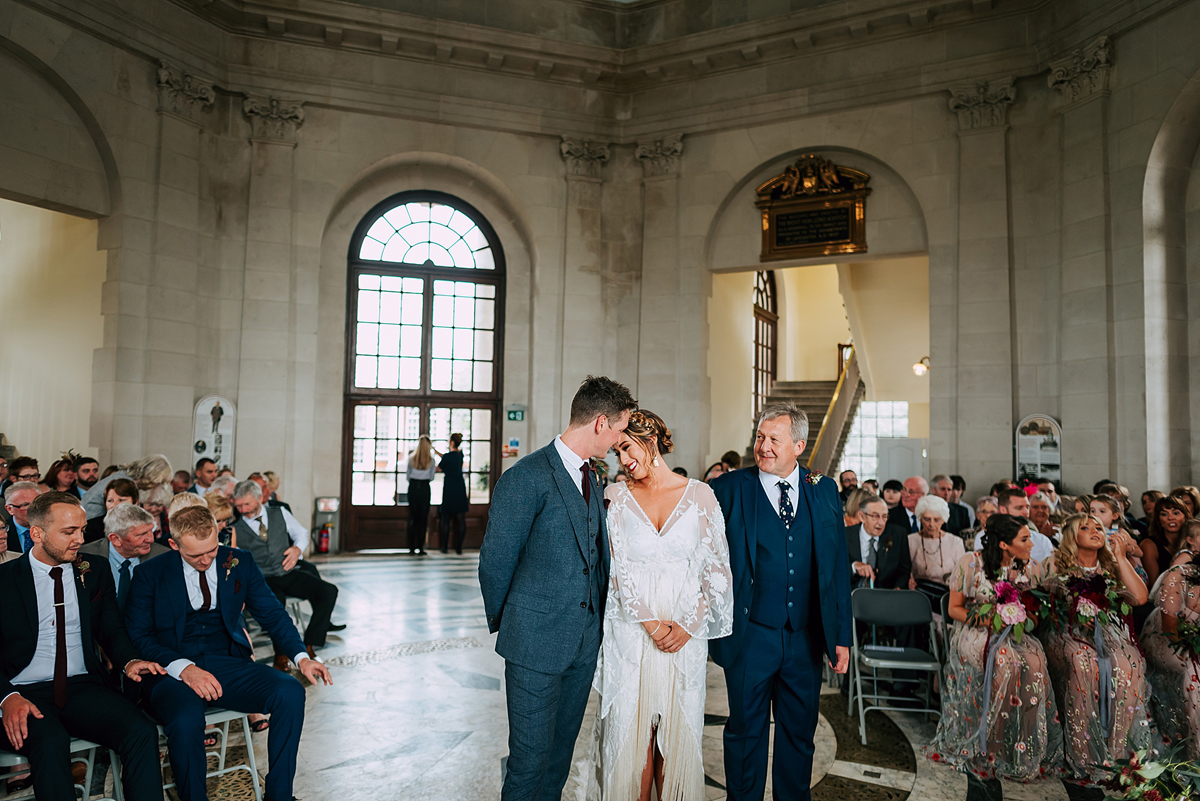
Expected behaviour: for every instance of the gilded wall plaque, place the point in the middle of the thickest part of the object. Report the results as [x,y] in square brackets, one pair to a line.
[813,208]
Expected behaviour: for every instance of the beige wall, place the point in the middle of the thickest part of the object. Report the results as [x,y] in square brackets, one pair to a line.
[730,362]
[812,323]
[50,309]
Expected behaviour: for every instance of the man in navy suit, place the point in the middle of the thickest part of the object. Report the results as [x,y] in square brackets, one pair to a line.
[183,608]
[791,590]
[543,570]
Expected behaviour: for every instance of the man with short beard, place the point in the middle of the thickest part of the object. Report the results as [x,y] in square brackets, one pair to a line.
[53,615]
[87,472]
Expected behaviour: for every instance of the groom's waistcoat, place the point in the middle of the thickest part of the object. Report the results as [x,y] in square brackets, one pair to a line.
[785,568]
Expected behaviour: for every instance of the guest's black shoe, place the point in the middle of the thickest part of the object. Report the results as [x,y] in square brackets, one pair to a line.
[983,789]
[337,626]
[1079,792]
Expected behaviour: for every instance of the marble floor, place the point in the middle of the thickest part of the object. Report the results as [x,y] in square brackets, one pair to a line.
[417,709]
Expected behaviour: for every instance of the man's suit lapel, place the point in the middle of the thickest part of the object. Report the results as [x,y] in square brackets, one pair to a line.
[28,593]
[177,592]
[571,496]
[83,601]
[750,514]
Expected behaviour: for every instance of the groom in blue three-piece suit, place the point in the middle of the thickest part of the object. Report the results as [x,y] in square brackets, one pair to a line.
[543,570]
[791,589]
[184,608]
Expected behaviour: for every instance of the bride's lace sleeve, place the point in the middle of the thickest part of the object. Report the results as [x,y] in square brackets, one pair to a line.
[708,613]
[625,598]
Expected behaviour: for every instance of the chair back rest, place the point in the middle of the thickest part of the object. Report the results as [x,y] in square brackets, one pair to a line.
[890,607]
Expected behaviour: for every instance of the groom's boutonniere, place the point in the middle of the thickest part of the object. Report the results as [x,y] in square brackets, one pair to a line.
[814,477]
[82,568]
[230,564]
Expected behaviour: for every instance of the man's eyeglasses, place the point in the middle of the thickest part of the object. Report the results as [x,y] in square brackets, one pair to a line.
[18,505]
[875,516]
[29,477]
[916,492]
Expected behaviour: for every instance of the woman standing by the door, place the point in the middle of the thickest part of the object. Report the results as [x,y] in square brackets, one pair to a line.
[420,476]
[454,496]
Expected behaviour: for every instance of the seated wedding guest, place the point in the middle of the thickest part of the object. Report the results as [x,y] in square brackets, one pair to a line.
[1014,501]
[904,514]
[224,471]
[1108,511]
[206,474]
[943,487]
[1082,505]
[1166,534]
[17,499]
[87,472]
[22,468]
[1189,497]
[1017,735]
[872,486]
[851,505]
[181,481]
[680,471]
[261,480]
[193,627]
[1040,510]
[224,486]
[985,507]
[1173,675]
[273,482]
[53,617]
[1149,497]
[878,552]
[61,476]
[934,551]
[958,486]
[1047,488]
[118,491]
[145,473]
[1121,495]
[277,541]
[714,470]
[183,500]
[732,460]
[847,483]
[155,501]
[1098,727]
[5,554]
[892,490]
[224,513]
[128,542]
[108,471]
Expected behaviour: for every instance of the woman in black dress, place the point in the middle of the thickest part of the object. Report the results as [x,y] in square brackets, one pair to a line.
[454,496]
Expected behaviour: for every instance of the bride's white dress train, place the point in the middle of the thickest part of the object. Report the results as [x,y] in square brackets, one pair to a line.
[680,574]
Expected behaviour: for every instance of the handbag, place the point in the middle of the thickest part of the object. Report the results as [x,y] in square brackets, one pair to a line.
[934,591]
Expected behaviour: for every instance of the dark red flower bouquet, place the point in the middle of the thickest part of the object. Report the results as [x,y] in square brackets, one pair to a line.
[1087,599]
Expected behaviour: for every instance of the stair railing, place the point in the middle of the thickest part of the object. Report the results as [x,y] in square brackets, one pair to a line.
[837,416]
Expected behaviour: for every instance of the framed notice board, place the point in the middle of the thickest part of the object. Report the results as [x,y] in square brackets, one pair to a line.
[813,208]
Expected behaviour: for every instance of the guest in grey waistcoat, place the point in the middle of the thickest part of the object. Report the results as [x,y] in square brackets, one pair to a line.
[543,569]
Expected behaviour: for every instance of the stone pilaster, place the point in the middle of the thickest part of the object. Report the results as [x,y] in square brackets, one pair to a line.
[986,392]
[1083,73]
[273,120]
[584,159]
[660,156]
[182,94]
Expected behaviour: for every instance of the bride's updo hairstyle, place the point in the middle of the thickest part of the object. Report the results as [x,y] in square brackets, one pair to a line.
[649,431]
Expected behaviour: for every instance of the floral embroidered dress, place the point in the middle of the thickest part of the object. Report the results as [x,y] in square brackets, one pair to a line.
[1020,737]
[680,573]
[1094,737]
[1176,679]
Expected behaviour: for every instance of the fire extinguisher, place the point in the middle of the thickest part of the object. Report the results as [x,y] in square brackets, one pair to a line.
[323,538]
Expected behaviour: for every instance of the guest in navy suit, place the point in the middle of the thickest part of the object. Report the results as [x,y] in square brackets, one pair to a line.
[183,609]
[791,590]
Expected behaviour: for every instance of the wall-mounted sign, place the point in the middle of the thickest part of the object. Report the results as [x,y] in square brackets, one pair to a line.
[813,208]
[1039,449]
[515,413]
[216,420]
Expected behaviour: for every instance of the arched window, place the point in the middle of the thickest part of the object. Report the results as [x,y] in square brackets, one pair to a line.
[766,336]
[424,343]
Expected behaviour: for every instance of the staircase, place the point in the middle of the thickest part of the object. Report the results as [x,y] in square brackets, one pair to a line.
[825,402]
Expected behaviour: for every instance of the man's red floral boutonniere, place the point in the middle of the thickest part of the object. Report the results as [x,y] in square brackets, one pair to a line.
[230,563]
[82,568]
[814,477]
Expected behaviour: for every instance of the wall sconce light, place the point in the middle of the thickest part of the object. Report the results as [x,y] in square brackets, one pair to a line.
[921,367]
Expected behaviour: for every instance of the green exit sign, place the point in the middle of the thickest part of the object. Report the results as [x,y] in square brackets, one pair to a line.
[517,415]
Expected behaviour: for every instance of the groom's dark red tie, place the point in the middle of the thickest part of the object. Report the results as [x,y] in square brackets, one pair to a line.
[586,469]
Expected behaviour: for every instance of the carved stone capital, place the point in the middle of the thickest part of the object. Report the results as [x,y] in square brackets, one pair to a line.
[1083,72]
[584,158]
[272,119]
[660,156]
[984,104]
[181,94]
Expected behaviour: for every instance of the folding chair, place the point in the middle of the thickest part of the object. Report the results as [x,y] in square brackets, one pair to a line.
[297,612]
[8,759]
[944,651]
[878,609]
[221,718]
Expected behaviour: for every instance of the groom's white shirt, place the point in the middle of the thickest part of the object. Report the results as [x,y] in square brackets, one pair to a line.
[572,461]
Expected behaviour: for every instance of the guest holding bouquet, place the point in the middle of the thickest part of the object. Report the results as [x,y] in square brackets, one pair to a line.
[1172,642]
[999,719]
[1096,665]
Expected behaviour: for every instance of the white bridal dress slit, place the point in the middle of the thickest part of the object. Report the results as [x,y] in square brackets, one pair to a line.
[682,574]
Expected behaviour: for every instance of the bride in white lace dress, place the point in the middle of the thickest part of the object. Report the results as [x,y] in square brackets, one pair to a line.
[670,592]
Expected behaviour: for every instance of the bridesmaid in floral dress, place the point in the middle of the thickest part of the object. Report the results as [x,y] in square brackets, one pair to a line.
[1008,728]
[1176,679]
[1090,662]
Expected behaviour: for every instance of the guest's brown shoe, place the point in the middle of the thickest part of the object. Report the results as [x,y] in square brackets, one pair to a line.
[282,662]
[312,652]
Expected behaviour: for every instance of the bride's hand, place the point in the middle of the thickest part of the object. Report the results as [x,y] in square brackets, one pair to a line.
[675,639]
[656,629]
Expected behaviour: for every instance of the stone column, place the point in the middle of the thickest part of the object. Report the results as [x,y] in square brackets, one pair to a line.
[1088,353]
[583,320]
[154,368]
[278,335]
[671,355]
[985,382]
